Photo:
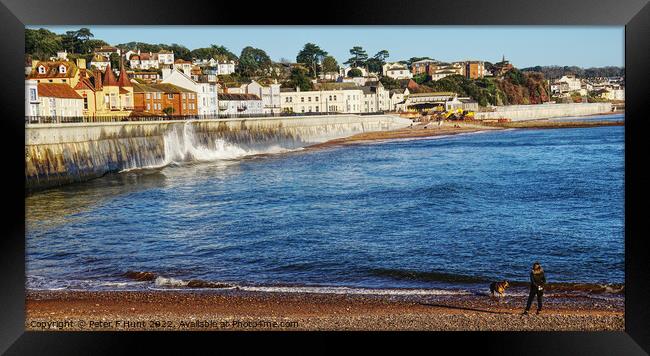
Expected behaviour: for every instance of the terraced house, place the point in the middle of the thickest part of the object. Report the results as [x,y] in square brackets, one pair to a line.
[163,99]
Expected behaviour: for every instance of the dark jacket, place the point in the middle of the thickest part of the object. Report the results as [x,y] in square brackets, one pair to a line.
[537,279]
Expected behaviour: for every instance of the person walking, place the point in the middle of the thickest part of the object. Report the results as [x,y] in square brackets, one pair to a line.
[537,283]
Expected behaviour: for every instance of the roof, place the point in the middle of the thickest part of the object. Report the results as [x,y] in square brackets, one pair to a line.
[55,90]
[109,77]
[123,80]
[171,88]
[231,96]
[52,70]
[179,61]
[106,49]
[334,86]
[84,84]
[144,88]
[396,68]
[99,58]
[437,93]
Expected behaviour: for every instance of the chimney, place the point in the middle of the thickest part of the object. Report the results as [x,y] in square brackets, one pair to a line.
[81,63]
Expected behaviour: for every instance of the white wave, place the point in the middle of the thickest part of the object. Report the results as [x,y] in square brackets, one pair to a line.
[181,146]
[169,282]
[347,290]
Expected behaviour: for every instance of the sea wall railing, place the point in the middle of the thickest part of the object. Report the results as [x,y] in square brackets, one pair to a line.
[90,119]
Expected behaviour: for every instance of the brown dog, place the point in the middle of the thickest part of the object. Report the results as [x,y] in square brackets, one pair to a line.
[499,287]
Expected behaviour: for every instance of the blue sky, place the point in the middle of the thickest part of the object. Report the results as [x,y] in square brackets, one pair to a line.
[524,46]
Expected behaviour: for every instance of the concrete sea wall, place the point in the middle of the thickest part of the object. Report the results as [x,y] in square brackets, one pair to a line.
[57,154]
[544,111]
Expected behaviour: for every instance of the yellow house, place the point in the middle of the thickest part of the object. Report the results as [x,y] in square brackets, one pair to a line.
[105,95]
[55,72]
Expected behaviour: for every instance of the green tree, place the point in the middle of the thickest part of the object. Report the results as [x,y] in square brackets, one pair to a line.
[330,65]
[359,57]
[42,44]
[377,61]
[180,51]
[299,78]
[311,56]
[73,41]
[115,61]
[253,62]
[355,72]
[410,61]
[89,45]
[214,51]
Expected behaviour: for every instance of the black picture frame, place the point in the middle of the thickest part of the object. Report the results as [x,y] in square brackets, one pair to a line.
[633,14]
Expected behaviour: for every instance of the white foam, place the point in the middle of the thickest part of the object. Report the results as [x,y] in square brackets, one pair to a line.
[347,290]
[169,282]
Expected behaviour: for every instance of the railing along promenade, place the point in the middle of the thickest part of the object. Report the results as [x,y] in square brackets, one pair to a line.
[91,119]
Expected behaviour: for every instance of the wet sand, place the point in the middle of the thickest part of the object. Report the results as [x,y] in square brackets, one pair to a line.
[259,311]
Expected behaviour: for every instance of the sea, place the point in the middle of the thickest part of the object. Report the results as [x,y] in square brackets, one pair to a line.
[442,215]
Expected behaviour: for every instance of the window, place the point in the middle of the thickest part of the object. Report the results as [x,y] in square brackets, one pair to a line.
[334,97]
[85,103]
[302,100]
[32,94]
[158,95]
[170,96]
[62,69]
[41,70]
[147,95]
[309,99]
[316,98]
[183,95]
[148,107]
[317,109]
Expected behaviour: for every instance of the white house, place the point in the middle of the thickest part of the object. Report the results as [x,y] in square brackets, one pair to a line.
[399,73]
[572,83]
[313,101]
[205,62]
[32,102]
[396,71]
[270,95]
[207,99]
[348,99]
[375,98]
[100,62]
[165,57]
[58,99]
[613,93]
[225,67]
[397,99]
[183,66]
[106,51]
[236,104]
[144,60]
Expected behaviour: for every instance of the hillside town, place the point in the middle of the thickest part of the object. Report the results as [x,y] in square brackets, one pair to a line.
[133,84]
